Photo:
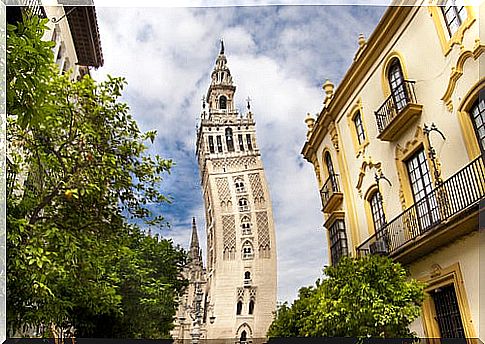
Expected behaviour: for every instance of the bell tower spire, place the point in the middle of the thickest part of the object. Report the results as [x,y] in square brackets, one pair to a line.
[221,90]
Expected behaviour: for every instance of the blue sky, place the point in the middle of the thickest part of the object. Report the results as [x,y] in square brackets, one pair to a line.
[279,56]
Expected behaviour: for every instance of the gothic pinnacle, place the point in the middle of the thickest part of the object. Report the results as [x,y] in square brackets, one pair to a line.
[194,242]
[222,47]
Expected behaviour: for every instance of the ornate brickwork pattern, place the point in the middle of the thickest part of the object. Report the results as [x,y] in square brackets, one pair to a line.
[229,236]
[223,189]
[257,189]
[263,234]
[240,294]
[233,163]
[252,293]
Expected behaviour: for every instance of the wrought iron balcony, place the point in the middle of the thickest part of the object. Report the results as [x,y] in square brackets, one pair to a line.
[446,203]
[397,112]
[330,193]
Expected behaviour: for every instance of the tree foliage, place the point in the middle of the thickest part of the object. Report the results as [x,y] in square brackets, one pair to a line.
[76,257]
[369,296]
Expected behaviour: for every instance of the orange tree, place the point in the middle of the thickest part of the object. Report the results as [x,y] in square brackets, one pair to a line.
[364,297]
[76,256]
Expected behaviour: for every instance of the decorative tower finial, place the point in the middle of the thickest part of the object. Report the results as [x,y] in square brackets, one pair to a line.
[249,105]
[222,47]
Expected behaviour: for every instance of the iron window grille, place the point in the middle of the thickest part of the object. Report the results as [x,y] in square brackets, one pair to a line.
[448,312]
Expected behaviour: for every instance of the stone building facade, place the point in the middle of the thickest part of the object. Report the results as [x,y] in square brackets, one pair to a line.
[239,288]
[398,152]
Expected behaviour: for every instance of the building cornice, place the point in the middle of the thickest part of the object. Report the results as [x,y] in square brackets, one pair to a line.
[387,27]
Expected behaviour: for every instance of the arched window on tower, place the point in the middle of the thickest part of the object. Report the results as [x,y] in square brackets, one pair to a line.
[251,307]
[247,251]
[247,275]
[239,185]
[243,204]
[244,338]
[223,102]
[239,307]
[229,140]
[246,225]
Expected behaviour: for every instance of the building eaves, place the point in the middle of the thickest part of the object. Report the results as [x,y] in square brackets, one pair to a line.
[85,34]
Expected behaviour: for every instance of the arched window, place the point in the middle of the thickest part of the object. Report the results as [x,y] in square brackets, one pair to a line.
[378,216]
[331,172]
[247,251]
[251,307]
[247,275]
[244,337]
[240,185]
[396,84]
[222,102]
[246,226]
[239,307]
[243,204]
[229,141]
[477,114]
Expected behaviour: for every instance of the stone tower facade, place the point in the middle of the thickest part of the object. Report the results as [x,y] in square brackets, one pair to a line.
[240,281]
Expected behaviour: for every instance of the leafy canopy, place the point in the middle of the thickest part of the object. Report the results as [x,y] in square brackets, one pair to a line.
[75,257]
[369,296]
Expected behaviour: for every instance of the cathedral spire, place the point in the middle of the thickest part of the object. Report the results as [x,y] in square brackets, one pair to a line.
[194,242]
[222,47]
[194,250]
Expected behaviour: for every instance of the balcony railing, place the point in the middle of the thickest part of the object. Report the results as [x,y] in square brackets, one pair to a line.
[330,189]
[458,193]
[397,111]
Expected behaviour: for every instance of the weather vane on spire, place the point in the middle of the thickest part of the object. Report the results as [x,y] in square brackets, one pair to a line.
[222,47]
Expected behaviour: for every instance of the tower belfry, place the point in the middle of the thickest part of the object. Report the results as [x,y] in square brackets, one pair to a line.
[240,288]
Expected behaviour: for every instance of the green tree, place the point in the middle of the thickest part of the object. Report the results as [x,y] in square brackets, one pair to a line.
[75,256]
[369,296]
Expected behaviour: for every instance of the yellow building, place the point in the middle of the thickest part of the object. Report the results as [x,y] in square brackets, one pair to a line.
[398,152]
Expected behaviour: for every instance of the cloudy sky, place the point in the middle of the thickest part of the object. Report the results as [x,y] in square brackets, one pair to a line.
[279,56]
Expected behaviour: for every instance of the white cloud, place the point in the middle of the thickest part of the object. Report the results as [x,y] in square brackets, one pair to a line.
[278,56]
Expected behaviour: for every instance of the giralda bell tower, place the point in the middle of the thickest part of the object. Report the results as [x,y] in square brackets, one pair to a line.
[241,247]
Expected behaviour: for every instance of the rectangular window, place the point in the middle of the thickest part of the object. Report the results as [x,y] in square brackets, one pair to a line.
[211,144]
[241,142]
[448,312]
[338,241]
[421,186]
[219,143]
[359,128]
[248,141]
[454,16]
